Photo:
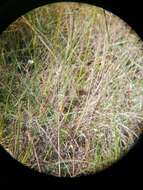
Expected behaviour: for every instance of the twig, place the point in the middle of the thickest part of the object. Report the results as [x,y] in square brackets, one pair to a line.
[35,153]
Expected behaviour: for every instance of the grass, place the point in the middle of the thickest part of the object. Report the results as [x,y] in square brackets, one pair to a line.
[71,96]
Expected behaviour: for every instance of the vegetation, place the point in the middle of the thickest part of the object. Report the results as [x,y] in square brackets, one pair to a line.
[71,96]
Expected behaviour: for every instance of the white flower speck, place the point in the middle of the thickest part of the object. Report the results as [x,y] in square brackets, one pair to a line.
[30,61]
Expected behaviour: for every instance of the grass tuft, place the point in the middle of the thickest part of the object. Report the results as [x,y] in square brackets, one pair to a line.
[71,96]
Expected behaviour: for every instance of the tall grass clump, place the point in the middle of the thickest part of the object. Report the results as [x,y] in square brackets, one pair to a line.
[71,96]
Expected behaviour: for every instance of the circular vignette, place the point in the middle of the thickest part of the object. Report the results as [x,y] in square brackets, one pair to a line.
[22,10]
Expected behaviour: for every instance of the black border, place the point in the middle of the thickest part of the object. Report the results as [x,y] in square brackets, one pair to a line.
[125,171]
